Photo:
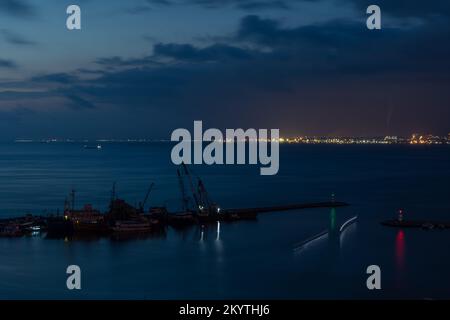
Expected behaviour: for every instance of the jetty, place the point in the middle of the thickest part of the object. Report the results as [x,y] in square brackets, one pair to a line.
[401,222]
[290,207]
[423,224]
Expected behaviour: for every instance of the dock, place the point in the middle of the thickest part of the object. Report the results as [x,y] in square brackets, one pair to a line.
[252,213]
[290,207]
[424,224]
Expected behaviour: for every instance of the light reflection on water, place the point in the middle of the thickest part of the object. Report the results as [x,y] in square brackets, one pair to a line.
[400,255]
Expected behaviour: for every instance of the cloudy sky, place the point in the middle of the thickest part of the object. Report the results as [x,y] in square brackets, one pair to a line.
[142,68]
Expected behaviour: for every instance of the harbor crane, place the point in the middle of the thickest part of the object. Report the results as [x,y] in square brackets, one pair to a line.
[142,204]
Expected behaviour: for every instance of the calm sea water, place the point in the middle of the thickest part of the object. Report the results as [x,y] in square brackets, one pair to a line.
[246,259]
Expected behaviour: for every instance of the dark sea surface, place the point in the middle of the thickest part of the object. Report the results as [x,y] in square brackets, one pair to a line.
[254,259]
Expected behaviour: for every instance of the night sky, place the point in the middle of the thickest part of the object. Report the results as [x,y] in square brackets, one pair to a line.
[142,68]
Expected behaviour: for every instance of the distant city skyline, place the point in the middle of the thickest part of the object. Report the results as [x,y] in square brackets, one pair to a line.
[413,139]
[143,68]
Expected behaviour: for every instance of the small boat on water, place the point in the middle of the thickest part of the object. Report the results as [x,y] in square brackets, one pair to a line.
[97,147]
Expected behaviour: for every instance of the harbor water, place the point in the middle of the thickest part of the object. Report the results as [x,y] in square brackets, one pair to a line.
[253,259]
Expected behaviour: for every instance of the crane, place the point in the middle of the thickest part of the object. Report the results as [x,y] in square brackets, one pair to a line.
[185,199]
[191,184]
[142,204]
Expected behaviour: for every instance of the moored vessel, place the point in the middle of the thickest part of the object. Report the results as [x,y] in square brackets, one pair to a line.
[132,226]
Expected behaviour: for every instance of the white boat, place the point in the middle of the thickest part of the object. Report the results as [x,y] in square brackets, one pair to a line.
[98,147]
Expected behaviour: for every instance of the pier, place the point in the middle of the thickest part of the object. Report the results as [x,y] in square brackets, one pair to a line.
[89,221]
[298,206]
[424,224]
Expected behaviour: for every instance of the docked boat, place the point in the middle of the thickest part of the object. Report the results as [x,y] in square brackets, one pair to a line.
[132,226]
[59,226]
[10,230]
[181,219]
[87,220]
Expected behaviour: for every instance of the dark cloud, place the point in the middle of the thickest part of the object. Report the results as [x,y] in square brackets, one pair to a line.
[90,71]
[345,46]
[138,9]
[16,39]
[260,5]
[240,4]
[119,62]
[61,78]
[285,64]
[334,77]
[397,8]
[19,8]
[141,87]
[187,52]
[7,64]
[78,102]
[13,95]
[405,8]
[161,2]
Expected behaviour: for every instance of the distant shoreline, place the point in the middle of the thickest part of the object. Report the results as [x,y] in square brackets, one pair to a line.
[324,141]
